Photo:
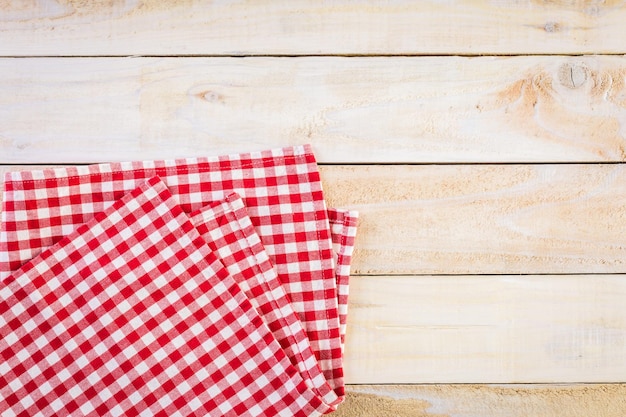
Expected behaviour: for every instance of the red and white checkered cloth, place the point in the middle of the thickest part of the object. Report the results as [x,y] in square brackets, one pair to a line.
[133,314]
[301,297]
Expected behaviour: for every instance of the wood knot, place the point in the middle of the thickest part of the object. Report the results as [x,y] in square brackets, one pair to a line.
[210,96]
[573,75]
[552,27]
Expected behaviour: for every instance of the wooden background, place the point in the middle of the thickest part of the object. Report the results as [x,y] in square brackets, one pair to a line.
[483,143]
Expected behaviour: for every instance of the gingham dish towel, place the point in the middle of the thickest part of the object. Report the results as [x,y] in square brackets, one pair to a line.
[205,286]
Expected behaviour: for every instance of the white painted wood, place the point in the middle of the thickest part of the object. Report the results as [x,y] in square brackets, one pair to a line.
[191,27]
[440,109]
[486,329]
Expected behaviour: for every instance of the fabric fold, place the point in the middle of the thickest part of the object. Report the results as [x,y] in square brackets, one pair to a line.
[193,286]
[133,312]
[228,231]
[281,189]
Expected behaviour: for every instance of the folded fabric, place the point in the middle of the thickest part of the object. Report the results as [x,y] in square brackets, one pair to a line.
[228,231]
[263,220]
[133,313]
[281,189]
[343,232]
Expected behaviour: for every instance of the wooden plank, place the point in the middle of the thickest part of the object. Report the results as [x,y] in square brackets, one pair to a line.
[430,109]
[482,219]
[485,401]
[486,329]
[157,27]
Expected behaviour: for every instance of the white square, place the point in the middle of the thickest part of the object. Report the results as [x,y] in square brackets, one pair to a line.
[137,249]
[89,332]
[283,189]
[239,349]
[118,262]
[71,345]
[64,375]
[123,306]
[225,407]
[94,303]
[84,188]
[164,401]
[130,352]
[178,341]
[76,317]
[183,387]
[194,404]
[129,184]
[11,338]
[144,221]
[243,394]
[100,348]
[166,326]
[45,387]
[147,339]
[18,216]
[75,391]
[215,176]
[66,229]
[104,394]
[41,193]
[273,398]
[142,294]
[255,410]
[123,381]
[220,362]
[29,326]
[86,408]
[172,297]
[136,322]
[15,385]
[107,246]
[41,341]
[87,208]
[126,233]
[141,368]
[26,402]
[45,232]
[154,237]
[195,198]
[118,335]
[106,187]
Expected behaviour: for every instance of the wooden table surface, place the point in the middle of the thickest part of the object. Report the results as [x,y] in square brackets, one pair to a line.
[482,142]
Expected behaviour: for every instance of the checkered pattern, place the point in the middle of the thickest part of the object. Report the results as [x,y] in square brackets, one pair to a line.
[276,242]
[281,189]
[228,231]
[133,314]
[343,231]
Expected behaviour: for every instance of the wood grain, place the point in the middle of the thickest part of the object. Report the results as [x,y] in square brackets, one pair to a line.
[484,219]
[486,329]
[363,110]
[582,400]
[305,27]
